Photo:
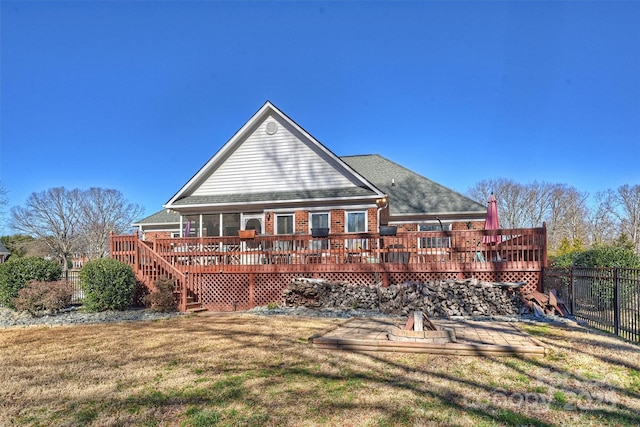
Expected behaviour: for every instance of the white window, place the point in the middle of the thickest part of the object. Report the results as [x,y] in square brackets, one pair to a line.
[435,241]
[319,220]
[356,222]
[284,224]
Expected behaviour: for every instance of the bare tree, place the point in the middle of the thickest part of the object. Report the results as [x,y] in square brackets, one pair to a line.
[567,216]
[3,204]
[512,200]
[75,222]
[562,207]
[603,225]
[52,216]
[104,211]
[622,207]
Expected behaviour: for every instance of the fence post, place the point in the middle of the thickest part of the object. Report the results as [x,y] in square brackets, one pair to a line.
[572,292]
[616,300]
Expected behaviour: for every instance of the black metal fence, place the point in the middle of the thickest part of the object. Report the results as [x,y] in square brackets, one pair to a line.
[73,277]
[605,298]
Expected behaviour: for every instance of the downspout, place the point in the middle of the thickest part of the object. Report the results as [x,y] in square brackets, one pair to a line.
[381,206]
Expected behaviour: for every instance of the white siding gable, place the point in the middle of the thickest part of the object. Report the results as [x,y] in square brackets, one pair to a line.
[282,161]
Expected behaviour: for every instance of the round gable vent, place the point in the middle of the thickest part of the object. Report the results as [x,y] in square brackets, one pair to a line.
[272,127]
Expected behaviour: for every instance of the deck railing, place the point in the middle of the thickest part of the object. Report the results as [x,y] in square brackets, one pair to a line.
[149,266]
[261,267]
[478,250]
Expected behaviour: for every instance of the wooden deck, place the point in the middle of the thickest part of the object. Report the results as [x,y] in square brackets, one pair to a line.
[442,251]
[265,263]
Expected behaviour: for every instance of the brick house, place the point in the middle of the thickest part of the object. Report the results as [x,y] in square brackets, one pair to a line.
[274,177]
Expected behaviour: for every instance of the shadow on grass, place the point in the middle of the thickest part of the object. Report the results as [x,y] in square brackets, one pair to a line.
[258,371]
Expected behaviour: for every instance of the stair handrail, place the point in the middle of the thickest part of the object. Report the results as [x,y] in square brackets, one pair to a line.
[148,265]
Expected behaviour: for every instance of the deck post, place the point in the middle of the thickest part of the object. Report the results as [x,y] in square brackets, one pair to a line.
[252,290]
[111,251]
[136,254]
[183,293]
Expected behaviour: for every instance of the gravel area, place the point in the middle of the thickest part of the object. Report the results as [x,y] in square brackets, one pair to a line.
[75,315]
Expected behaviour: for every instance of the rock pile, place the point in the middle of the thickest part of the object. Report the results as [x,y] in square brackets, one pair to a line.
[443,298]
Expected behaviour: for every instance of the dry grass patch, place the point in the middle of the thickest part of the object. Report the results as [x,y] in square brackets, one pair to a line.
[249,370]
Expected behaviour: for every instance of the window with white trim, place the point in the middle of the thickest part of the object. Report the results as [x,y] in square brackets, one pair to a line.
[356,222]
[319,220]
[284,224]
[435,241]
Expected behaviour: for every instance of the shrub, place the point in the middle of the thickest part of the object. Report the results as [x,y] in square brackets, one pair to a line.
[140,295]
[565,260]
[162,298]
[601,256]
[44,296]
[17,272]
[108,284]
[607,256]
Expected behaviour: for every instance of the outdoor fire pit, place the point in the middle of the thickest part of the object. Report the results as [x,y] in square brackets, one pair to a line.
[416,331]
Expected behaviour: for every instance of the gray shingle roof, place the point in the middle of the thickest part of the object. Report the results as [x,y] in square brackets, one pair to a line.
[4,250]
[161,217]
[412,193]
[275,196]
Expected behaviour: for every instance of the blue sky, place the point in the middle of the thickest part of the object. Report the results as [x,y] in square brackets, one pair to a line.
[137,96]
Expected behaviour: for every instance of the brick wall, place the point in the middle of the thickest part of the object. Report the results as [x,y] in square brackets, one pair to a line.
[151,236]
[337,221]
[301,219]
[372,220]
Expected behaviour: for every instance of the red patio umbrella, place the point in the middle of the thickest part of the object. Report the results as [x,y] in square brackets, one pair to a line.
[492,222]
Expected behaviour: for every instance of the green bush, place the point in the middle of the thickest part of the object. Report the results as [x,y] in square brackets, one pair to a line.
[273,306]
[565,260]
[17,272]
[162,298]
[607,256]
[38,296]
[108,284]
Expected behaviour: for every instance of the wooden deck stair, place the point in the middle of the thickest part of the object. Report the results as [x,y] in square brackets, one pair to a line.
[194,306]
